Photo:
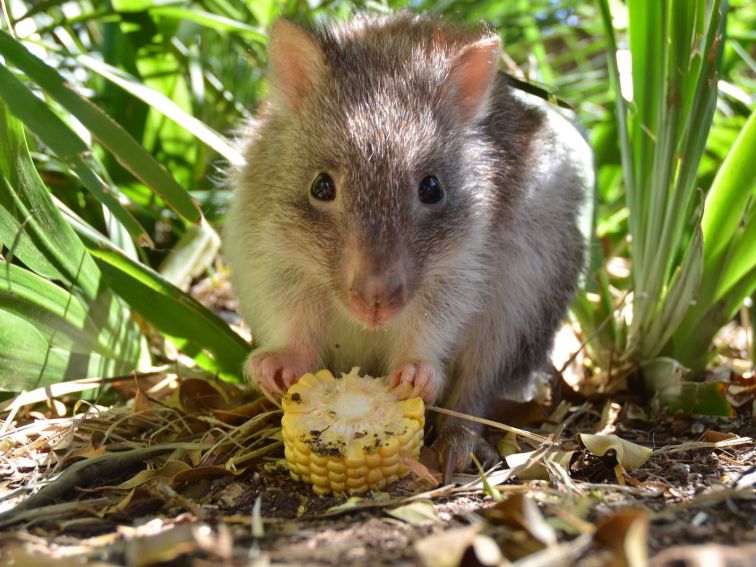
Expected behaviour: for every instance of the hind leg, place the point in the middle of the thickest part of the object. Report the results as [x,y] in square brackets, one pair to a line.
[489,366]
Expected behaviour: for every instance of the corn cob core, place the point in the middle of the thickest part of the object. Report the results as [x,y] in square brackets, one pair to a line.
[349,434]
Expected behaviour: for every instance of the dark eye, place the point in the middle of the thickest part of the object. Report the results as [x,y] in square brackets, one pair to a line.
[430,191]
[323,188]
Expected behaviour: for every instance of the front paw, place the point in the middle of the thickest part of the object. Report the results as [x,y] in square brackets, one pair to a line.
[455,444]
[275,371]
[425,379]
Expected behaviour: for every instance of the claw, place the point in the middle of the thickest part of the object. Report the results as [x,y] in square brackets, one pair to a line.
[424,378]
[455,445]
[275,371]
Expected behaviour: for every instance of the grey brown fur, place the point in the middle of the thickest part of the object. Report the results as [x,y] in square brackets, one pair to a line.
[487,275]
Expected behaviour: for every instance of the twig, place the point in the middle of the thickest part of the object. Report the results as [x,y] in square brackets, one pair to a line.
[494,424]
[85,472]
[682,447]
[594,334]
[51,511]
[707,498]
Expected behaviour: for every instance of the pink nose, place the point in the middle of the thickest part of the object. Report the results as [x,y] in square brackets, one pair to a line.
[376,298]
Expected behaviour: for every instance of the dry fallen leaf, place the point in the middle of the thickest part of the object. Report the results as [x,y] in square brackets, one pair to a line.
[141,402]
[625,534]
[197,395]
[609,416]
[169,544]
[508,445]
[567,554]
[121,505]
[203,472]
[705,555]
[537,470]
[166,473]
[629,455]
[418,513]
[423,472]
[239,414]
[519,413]
[450,547]
[717,436]
[16,555]
[351,503]
[521,512]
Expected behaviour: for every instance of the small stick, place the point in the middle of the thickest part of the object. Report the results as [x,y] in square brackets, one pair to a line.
[494,424]
[85,472]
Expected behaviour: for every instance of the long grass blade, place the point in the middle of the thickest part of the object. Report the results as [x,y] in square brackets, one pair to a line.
[26,359]
[727,198]
[741,261]
[50,332]
[68,146]
[620,109]
[171,310]
[30,225]
[68,323]
[678,299]
[210,20]
[706,59]
[164,105]
[109,133]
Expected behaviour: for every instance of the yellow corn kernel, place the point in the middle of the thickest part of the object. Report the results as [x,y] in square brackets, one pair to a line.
[358,472]
[390,470]
[337,478]
[373,460]
[349,434]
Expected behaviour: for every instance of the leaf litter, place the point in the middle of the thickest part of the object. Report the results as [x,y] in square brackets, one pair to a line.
[174,466]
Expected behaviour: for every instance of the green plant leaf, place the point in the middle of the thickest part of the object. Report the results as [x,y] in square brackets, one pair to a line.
[26,358]
[93,339]
[195,251]
[707,398]
[68,146]
[50,333]
[663,379]
[210,20]
[630,455]
[30,224]
[164,105]
[264,11]
[678,300]
[171,310]
[140,5]
[730,190]
[109,133]
[695,335]
[28,361]
[676,49]
[729,268]
[417,513]
[741,260]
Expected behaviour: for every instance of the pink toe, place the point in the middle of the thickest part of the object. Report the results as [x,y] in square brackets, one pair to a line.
[289,377]
[409,374]
[397,378]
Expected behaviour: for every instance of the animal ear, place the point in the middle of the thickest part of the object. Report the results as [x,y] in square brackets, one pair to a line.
[471,77]
[296,61]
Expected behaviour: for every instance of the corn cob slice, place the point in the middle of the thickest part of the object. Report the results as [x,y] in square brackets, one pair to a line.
[349,434]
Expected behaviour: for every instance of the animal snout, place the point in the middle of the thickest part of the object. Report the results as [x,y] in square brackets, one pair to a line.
[375,298]
[378,292]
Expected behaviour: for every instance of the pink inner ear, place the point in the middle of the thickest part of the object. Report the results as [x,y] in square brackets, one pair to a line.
[295,61]
[471,76]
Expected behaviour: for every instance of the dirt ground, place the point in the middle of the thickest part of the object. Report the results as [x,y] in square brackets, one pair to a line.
[172,467]
[694,494]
